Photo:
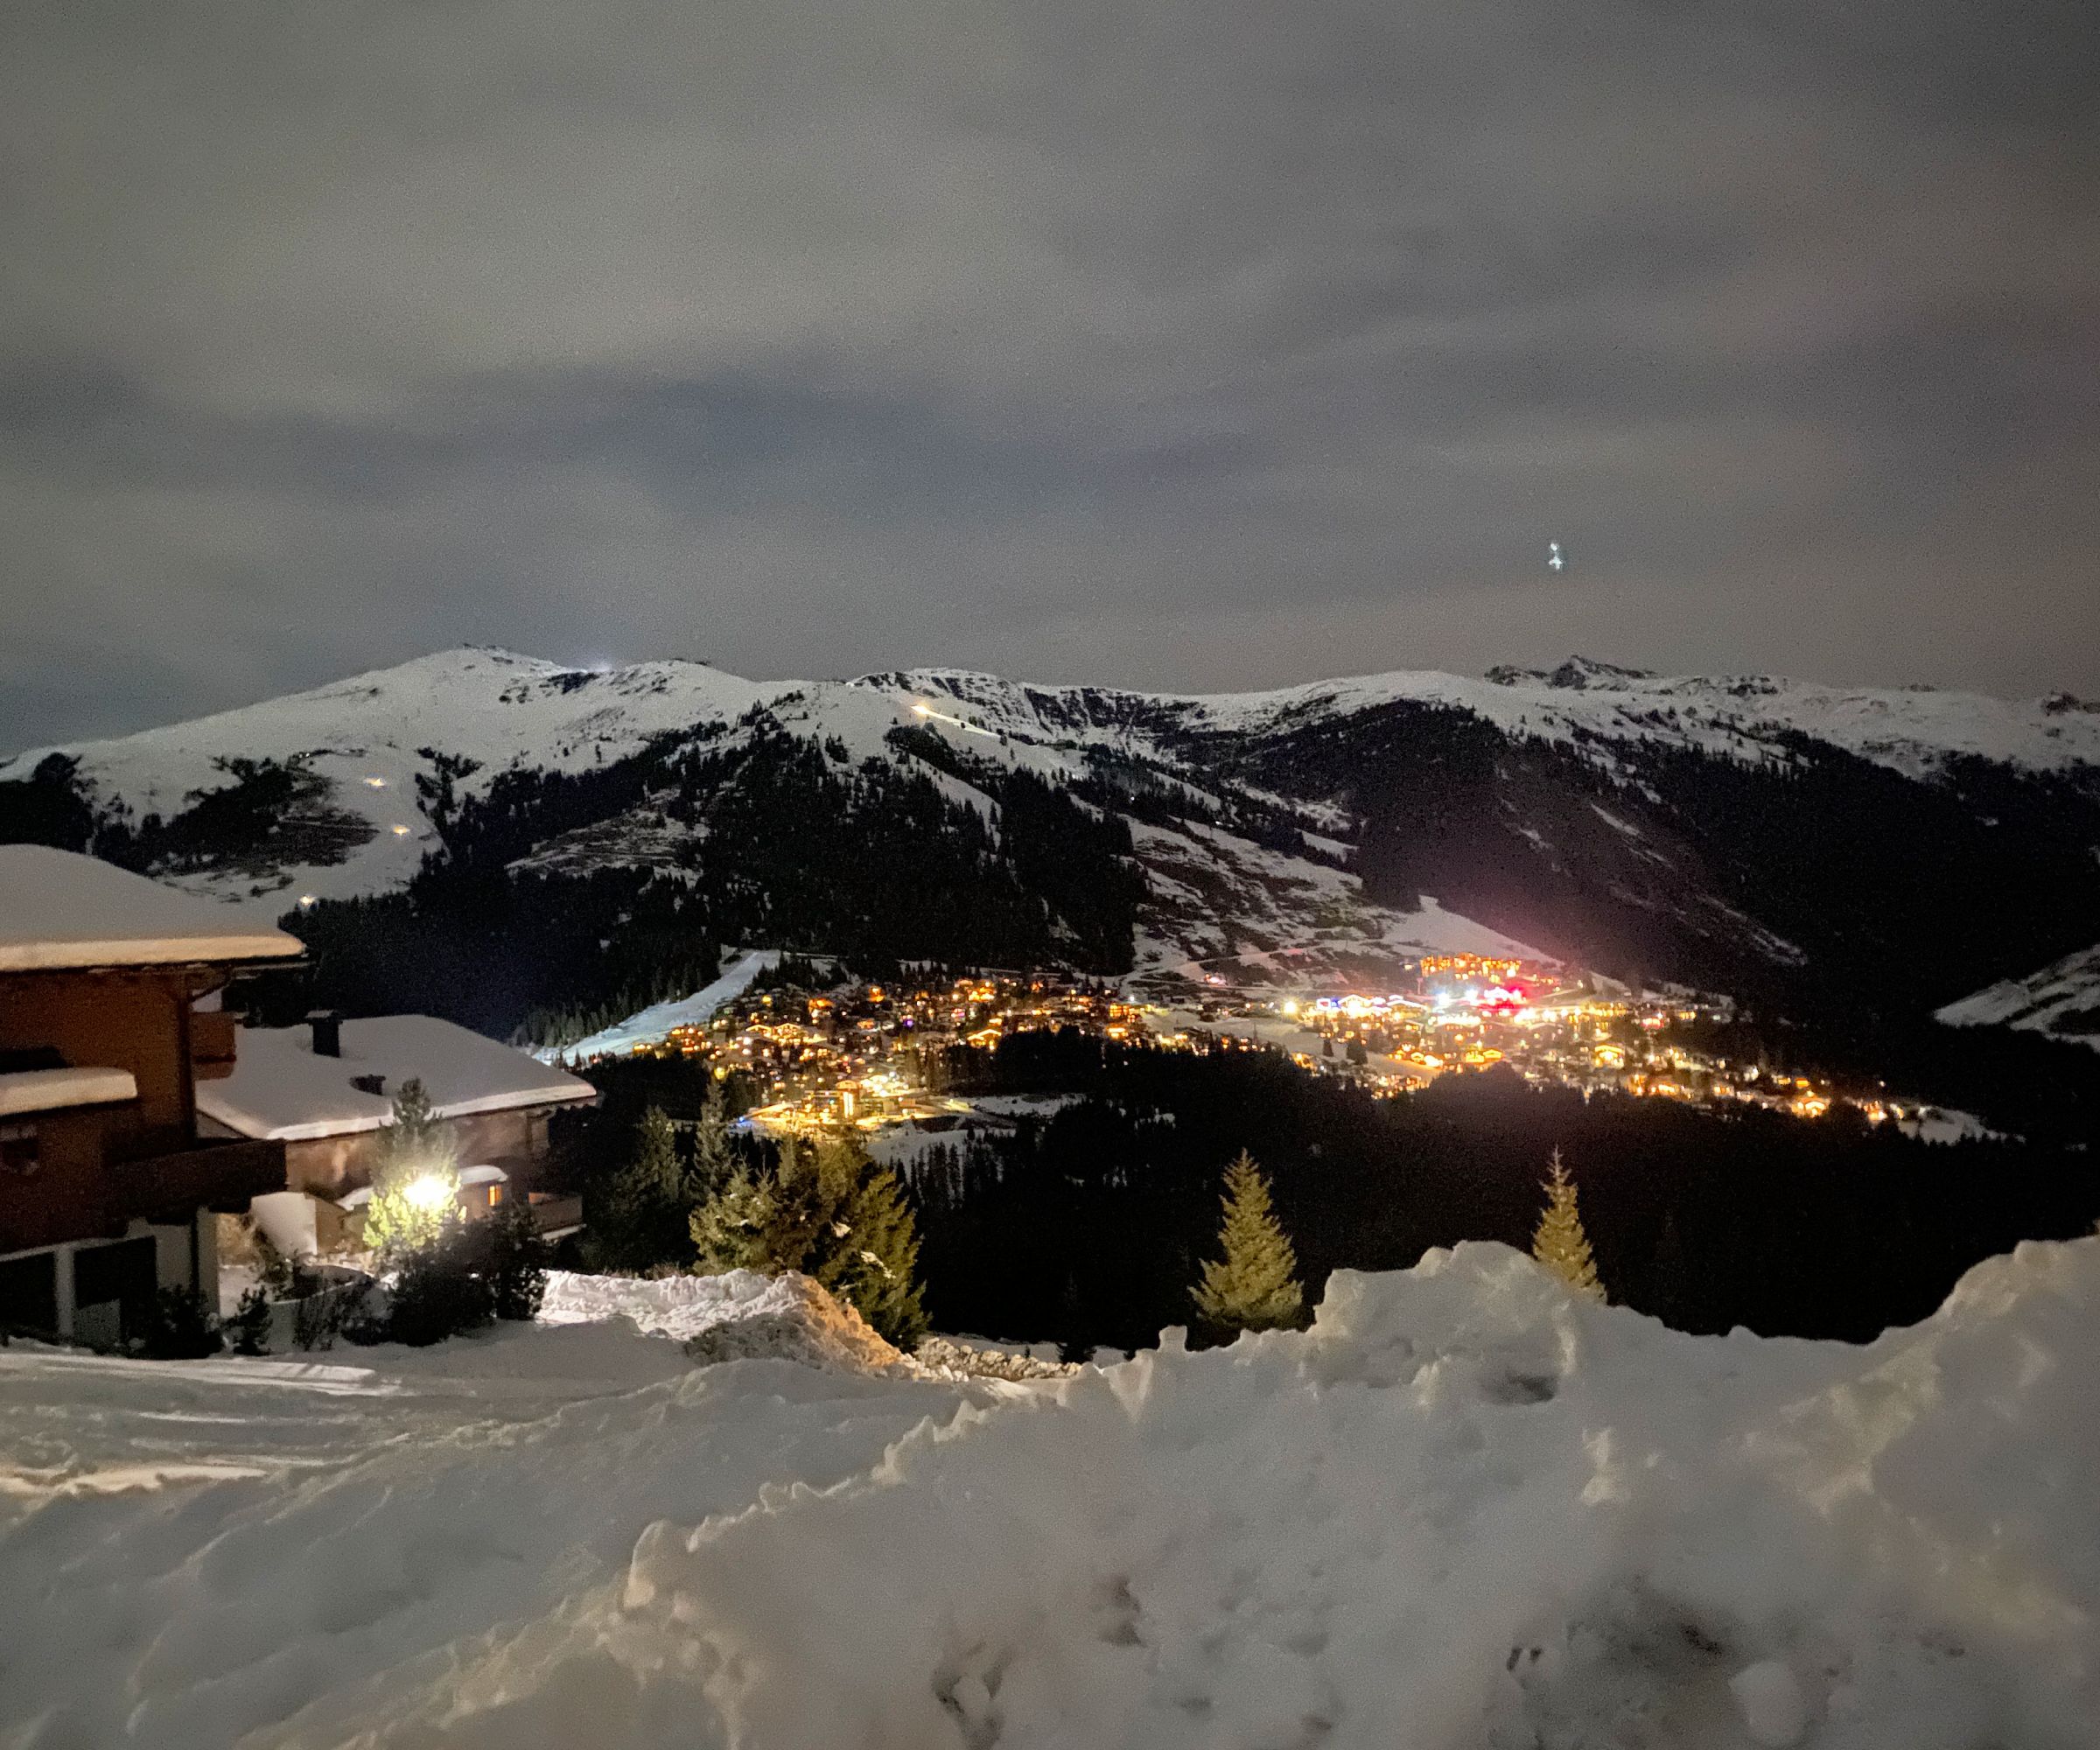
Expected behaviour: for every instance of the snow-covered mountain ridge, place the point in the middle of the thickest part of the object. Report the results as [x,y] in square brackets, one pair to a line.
[1601,813]
[500,707]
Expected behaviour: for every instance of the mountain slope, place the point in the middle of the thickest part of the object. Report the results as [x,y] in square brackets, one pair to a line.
[1785,839]
[2061,1000]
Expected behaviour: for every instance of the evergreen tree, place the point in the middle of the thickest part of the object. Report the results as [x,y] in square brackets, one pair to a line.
[1560,1244]
[735,1229]
[874,1262]
[714,1155]
[635,1218]
[828,1211]
[417,1134]
[416,1182]
[516,1259]
[249,1326]
[1255,1286]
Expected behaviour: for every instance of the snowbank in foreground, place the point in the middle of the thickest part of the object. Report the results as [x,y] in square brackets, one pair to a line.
[739,1316]
[1463,1510]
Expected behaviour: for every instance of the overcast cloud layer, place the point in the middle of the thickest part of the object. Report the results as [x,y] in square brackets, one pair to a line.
[1190,346]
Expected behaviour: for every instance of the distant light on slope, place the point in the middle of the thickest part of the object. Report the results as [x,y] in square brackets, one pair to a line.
[922,709]
[398,830]
[375,783]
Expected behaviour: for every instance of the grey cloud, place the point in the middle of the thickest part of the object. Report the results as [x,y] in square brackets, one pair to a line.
[811,337]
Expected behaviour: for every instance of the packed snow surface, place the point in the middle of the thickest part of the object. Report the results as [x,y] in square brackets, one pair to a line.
[1462,1510]
[2061,1000]
[737,1316]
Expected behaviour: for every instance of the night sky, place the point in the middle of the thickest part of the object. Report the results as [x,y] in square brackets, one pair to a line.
[1204,346]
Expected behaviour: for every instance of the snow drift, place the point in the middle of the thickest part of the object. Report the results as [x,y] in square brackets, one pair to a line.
[739,1316]
[1463,1509]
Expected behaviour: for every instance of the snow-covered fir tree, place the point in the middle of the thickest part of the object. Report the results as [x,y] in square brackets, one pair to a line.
[1254,1287]
[1559,1243]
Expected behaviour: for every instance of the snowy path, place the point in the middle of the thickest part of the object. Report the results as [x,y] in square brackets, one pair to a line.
[1463,1511]
[656,1023]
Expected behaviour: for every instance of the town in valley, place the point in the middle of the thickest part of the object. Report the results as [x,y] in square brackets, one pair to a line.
[816,1049]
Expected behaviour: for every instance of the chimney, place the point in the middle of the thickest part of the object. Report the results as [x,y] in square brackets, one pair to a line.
[327,1026]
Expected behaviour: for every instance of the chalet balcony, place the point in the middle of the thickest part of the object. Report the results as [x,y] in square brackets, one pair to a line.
[211,1175]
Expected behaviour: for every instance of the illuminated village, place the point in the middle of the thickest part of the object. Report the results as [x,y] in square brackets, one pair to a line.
[874,1056]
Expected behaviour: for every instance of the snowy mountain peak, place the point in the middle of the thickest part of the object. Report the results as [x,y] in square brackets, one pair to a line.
[1578,672]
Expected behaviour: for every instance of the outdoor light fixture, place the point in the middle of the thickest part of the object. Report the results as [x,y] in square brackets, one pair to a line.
[430,1193]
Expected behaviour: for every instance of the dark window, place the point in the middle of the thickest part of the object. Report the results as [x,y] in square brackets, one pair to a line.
[29,1294]
[17,1148]
[128,1271]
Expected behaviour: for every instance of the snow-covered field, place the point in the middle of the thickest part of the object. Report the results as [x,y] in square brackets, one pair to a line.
[1463,1510]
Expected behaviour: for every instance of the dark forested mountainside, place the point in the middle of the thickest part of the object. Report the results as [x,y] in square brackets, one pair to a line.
[1808,876]
[775,838]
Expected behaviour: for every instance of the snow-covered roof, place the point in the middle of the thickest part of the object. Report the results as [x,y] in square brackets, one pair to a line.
[52,1090]
[281,1090]
[59,910]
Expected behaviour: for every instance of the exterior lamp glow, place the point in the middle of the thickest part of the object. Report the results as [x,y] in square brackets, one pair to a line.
[429,1193]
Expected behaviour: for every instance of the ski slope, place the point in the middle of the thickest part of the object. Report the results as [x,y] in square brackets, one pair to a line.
[656,1023]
